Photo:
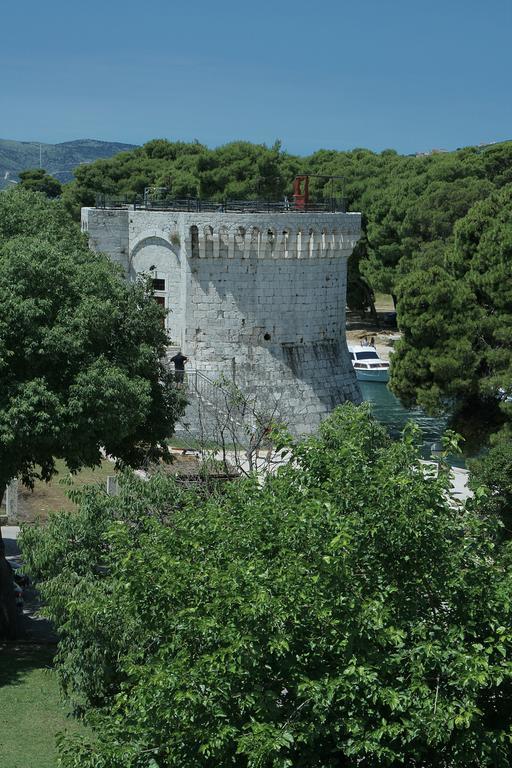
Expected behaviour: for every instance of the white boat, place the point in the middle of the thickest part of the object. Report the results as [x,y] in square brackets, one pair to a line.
[367,364]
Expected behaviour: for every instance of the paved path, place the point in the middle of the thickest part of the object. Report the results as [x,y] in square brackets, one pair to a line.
[460,488]
[265,464]
[459,480]
[34,628]
[10,534]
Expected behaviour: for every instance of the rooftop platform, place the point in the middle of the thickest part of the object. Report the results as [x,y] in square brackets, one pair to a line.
[198,205]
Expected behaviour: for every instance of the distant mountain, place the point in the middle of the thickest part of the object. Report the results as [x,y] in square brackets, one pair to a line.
[58,159]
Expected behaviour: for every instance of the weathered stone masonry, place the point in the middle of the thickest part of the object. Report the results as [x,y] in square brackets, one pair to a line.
[255,296]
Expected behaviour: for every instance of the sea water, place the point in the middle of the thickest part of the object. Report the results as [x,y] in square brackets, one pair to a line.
[389,411]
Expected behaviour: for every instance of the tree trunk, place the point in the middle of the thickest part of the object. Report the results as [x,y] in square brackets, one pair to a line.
[371,302]
[9,622]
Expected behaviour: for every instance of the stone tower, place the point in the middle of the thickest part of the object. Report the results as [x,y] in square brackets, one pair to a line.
[256,297]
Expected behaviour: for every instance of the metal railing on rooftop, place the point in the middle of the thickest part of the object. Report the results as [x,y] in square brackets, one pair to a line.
[196,204]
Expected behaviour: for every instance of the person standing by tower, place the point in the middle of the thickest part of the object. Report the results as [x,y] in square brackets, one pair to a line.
[179,361]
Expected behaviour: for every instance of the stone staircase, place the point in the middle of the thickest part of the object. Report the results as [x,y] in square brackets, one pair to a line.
[217,413]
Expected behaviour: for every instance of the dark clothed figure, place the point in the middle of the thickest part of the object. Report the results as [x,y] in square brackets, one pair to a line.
[179,361]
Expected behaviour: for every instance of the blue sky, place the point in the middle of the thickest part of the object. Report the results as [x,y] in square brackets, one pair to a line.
[370,73]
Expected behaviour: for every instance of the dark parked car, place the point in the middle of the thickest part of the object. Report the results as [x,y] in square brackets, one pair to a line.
[19,576]
[19,580]
[388,319]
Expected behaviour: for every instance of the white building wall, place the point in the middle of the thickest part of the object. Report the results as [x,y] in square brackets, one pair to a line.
[108,232]
[260,297]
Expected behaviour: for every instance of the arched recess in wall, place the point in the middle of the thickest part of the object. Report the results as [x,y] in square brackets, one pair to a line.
[159,260]
[312,243]
[254,245]
[334,241]
[194,241]
[208,241]
[285,243]
[270,242]
[240,241]
[324,240]
[152,250]
[301,243]
[223,241]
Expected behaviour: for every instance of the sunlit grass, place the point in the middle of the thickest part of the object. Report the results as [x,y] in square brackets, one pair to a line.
[31,709]
[53,495]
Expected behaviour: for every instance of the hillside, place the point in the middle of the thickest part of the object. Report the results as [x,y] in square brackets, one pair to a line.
[58,159]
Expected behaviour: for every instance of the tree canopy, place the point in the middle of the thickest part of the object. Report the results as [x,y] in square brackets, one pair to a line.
[493,471]
[38,180]
[81,349]
[457,324]
[343,612]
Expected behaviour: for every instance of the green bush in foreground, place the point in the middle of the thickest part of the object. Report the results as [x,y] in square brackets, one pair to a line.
[342,614]
[493,472]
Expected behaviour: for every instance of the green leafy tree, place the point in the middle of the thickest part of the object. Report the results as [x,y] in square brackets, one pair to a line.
[38,180]
[436,359]
[482,254]
[238,170]
[342,613]
[455,311]
[493,475]
[80,350]
[414,210]
[360,295]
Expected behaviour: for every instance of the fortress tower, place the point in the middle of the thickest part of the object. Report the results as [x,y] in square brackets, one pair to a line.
[257,297]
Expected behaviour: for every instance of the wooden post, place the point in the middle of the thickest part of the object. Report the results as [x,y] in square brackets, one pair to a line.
[11,501]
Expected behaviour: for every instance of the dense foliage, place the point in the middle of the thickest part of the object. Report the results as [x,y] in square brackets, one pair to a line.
[240,170]
[493,472]
[421,216]
[80,351]
[343,613]
[457,325]
[38,180]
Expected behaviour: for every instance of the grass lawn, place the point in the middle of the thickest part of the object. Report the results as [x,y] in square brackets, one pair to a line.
[53,495]
[31,711]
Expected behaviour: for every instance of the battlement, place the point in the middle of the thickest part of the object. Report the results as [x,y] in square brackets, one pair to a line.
[301,236]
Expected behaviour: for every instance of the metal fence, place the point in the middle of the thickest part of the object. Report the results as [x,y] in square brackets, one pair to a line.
[196,204]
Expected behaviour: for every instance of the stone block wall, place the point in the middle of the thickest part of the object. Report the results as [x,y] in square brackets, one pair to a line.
[108,232]
[258,298]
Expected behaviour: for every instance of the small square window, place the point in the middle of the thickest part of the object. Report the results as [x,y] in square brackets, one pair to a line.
[158,284]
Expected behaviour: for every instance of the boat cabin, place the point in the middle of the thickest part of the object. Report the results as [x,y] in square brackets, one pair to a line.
[367,364]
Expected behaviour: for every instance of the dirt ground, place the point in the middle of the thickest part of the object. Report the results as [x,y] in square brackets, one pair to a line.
[361,328]
[384,339]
